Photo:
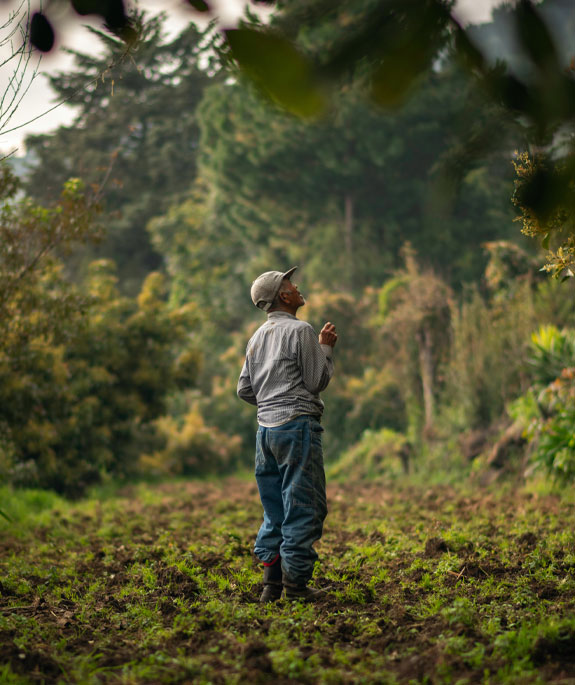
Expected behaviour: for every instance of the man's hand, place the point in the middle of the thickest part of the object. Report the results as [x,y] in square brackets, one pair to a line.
[327,335]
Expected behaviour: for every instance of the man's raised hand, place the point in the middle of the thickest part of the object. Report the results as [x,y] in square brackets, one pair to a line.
[327,335]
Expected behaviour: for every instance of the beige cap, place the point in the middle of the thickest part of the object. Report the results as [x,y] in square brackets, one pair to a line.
[266,287]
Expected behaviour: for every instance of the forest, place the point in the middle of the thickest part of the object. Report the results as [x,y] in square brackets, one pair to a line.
[430,213]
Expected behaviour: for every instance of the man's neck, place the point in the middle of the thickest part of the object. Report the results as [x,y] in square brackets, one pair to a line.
[285,310]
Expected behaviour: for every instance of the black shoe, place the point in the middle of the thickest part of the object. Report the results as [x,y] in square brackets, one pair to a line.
[272,583]
[303,593]
[271,593]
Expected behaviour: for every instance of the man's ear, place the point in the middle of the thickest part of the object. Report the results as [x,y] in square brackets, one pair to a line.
[284,297]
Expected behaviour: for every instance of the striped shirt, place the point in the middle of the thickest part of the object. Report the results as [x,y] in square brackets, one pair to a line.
[285,370]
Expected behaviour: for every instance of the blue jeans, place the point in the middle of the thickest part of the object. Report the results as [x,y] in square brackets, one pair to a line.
[291,481]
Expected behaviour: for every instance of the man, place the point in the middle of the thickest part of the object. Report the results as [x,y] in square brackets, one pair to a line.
[286,368]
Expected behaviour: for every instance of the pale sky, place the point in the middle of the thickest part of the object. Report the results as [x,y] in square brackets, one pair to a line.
[39,97]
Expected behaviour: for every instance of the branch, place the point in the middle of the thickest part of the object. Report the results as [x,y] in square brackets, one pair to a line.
[16,89]
[51,245]
[112,65]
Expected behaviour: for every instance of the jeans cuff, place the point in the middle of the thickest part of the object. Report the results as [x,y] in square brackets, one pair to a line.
[272,562]
[267,558]
[294,581]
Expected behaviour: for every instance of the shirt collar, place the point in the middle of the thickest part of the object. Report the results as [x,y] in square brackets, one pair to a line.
[281,315]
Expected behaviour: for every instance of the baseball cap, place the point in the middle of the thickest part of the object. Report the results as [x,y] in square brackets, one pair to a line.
[266,287]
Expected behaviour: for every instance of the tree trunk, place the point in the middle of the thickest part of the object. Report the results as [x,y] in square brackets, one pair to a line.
[348,234]
[425,343]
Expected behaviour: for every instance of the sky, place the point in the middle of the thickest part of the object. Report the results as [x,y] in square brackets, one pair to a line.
[38,99]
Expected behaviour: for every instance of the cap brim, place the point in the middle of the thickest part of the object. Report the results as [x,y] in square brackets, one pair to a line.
[288,274]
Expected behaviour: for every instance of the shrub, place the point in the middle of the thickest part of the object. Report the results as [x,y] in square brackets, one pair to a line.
[79,410]
[377,453]
[548,409]
[191,447]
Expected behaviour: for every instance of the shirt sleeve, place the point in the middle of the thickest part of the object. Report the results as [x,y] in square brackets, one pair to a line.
[315,361]
[245,390]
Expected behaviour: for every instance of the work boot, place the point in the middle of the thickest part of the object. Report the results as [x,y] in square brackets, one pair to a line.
[303,593]
[272,583]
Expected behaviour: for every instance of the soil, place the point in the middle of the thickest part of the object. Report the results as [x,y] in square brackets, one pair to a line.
[413,577]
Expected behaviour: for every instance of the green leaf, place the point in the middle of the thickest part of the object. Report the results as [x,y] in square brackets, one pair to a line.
[394,79]
[5,515]
[545,241]
[41,33]
[84,7]
[509,91]
[278,70]
[199,5]
[535,36]
[407,54]
[543,192]
[467,52]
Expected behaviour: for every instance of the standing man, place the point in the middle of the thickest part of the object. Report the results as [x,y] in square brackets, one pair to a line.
[286,368]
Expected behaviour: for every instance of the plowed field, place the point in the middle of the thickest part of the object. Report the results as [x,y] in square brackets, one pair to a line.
[159,585]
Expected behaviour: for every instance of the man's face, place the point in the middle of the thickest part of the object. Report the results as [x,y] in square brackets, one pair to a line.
[296,299]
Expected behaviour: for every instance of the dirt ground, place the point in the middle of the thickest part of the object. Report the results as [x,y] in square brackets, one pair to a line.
[422,585]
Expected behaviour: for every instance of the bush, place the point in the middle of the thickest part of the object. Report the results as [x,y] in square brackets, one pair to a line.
[377,453]
[548,409]
[77,408]
[191,448]
[488,355]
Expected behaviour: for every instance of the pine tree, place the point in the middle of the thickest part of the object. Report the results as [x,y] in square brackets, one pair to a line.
[135,126]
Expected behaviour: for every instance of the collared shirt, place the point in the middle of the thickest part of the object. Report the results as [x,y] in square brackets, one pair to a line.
[285,370]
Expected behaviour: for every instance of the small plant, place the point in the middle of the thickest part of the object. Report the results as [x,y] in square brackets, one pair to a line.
[548,408]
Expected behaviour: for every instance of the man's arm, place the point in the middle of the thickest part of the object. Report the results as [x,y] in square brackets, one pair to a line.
[315,360]
[245,390]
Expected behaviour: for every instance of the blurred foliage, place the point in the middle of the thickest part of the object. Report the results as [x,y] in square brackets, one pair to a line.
[482,367]
[415,313]
[488,362]
[508,267]
[378,453]
[551,352]
[124,132]
[547,410]
[312,46]
[545,195]
[34,298]
[75,412]
[84,371]
[191,447]
[381,166]
[487,357]
[352,186]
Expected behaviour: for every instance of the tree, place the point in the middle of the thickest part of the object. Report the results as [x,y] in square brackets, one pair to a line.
[393,44]
[81,407]
[84,371]
[343,193]
[414,309]
[33,297]
[135,109]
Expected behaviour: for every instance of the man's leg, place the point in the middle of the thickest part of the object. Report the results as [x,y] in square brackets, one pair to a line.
[269,538]
[268,478]
[298,451]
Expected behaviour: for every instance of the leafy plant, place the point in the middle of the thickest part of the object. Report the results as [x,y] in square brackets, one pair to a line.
[548,409]
[552,351]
